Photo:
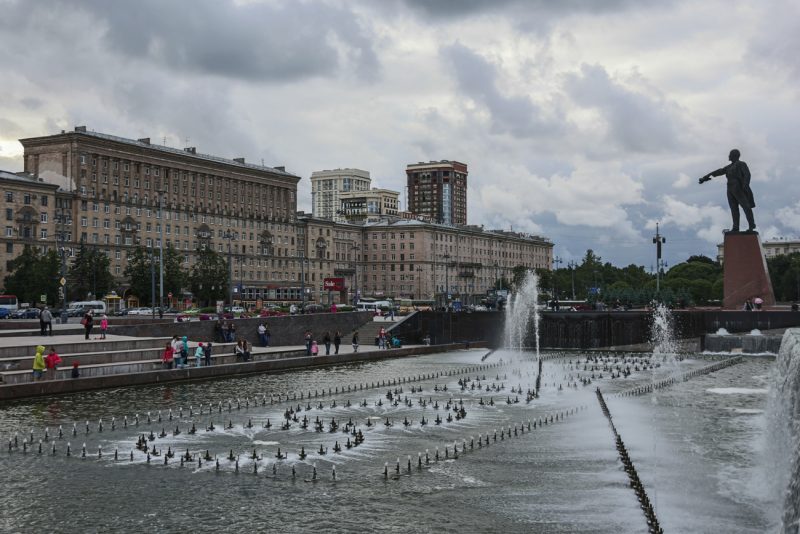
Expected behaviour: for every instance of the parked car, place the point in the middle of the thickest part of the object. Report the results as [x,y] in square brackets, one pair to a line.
[315,308]
[26,313]
[272,312]
[4,313]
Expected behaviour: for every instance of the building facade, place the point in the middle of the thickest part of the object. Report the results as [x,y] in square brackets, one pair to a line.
[438,189]
[121,193]
[328,185]
[116,194]
[771,247]
[361,206]
[32,208]
[413,259]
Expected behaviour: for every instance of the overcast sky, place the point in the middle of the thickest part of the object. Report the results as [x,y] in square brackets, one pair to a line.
[582,120]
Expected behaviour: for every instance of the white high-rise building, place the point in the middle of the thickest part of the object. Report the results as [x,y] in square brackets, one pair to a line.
[326,187]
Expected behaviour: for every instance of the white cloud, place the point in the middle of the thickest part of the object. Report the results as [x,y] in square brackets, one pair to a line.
[581,121]
[682,182]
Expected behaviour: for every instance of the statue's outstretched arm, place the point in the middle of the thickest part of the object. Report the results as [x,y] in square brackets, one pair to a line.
[718,172]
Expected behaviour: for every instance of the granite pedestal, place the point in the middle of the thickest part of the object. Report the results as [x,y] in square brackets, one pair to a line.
[745,271]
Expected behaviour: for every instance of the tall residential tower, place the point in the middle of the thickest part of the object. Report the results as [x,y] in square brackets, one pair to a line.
[438,189]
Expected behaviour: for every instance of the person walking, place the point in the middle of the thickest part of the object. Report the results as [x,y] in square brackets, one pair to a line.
[51,361]
[382,338]
[219,329]
[184,351]
[199,355]
[337,340]
[176,350]
[168,356]
[355,341]
[232,330]
[103,326]
[38,363]
[88,323]
[308,340]
[207,354]
[46,321]
[326,339]
[262,334]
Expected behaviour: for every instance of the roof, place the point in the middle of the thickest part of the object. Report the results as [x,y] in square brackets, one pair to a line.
[413,223]
[171,150]
[25,178]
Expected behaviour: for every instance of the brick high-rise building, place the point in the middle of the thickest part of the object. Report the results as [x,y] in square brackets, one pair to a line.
[438,189]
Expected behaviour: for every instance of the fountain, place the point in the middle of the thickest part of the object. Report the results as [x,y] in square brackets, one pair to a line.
[783,431]
[520,312]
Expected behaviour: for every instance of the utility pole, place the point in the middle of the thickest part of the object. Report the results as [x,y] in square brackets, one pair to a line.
[160,252]
[572,266]
[228,235]
[152,282]
[658,240]
[302,283]
[61,236]
[355,249]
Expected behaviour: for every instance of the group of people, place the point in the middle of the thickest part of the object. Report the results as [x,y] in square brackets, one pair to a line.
[49,364]
[176,353]
[88,324]
[226,331]
[754,304]
[312,347]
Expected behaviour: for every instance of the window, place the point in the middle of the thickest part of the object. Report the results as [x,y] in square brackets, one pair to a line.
[43,234]
[84,221]
[26,198]
[9,214]
[43,217]
[44,200]
[9,231]
[9,247]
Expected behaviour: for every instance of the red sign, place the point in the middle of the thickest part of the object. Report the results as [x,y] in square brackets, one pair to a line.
[333,284]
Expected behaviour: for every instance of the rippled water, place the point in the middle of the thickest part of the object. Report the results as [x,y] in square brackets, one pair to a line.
[696,446]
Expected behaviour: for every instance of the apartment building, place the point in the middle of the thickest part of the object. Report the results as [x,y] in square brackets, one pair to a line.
[327,187]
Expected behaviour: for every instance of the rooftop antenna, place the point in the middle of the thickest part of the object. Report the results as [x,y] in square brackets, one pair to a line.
[165,141]
[187,142]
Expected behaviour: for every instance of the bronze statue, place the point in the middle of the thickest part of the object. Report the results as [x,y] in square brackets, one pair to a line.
[739,193]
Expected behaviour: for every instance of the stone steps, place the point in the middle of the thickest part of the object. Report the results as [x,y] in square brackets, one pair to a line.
[223,355]
[368,332]
[29,349]
[25,363]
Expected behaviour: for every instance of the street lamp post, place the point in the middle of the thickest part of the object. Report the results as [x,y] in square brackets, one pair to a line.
[572,266]
[446,258]
[419,282]
[229,236]
[356,250]
[556,261]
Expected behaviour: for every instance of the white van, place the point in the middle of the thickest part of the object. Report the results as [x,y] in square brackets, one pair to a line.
[98,306]
[374,307]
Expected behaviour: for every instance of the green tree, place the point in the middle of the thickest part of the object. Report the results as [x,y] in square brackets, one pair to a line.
[89,274]
[139,274]
[784,271]
[32,274]
[175,278]
[209,277]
